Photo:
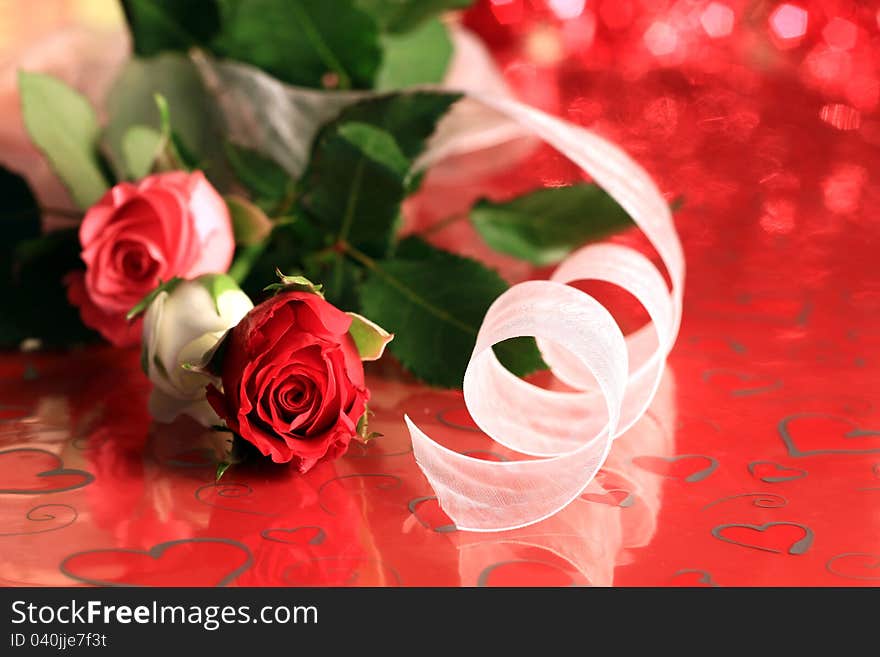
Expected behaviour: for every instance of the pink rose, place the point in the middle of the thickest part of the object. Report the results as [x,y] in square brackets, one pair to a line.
[166,225]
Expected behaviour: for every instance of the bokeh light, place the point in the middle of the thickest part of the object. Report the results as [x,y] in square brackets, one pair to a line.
[717,19]
[788,24]
[566,9]
[661,38]
[840,34]
[842,188]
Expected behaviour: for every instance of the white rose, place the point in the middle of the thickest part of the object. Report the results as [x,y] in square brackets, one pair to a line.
[181,325]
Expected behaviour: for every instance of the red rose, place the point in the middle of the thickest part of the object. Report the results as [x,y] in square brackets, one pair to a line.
[169,224]
[293,382]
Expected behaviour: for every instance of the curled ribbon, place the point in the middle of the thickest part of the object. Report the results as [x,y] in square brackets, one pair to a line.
[615,378]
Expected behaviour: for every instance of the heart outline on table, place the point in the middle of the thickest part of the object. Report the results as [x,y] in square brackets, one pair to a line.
[775,480]
[844,555]
[692,478]
[319,537]
[156,553]
[797,548]
[87,477]
[796,452]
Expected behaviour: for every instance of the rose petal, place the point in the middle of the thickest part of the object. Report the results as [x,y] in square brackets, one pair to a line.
[172,216]
[114,327]
[212,225]
[317,316]
[97,217]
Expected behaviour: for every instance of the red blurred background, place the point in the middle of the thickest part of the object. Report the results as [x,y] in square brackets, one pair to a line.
[759,464]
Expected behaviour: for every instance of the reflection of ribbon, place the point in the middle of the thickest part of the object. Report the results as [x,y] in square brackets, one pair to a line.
[617,377]
[592,536]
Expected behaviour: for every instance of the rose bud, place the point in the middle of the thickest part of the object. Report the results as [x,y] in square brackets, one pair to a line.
[184,320]
[168,224]
[293,381]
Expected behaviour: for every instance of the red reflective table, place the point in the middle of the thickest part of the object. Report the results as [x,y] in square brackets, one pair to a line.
[758,463]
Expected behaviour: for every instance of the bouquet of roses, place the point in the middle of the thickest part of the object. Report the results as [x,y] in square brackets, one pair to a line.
[157,255]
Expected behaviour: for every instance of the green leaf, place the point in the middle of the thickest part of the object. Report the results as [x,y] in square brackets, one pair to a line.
[377,145]
[358,175]
[294,283]
[222,467]
[140,147]
[158,25]
[263,177]
[543,227]
[417,57]
[145,149]
[167,88]
[369,338]
[217,285]
[64,127]
[356,179]
[143,304]
[350,195]
[175,154]
[435,305]
[341,278]
[302,42]
[286,248]
[405,15]
[211,362]
[250,225]
[411,117]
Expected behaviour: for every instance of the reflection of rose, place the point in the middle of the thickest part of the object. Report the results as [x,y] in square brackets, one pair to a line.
[167,225]
[295,542]
[293,380]
[125,498]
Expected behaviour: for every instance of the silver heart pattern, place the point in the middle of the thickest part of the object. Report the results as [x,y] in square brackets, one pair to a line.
[693,477]
[843,565]
[795,473]
[705,576]
[798,547]
[483,578]
[762,500]
[22,457]
[208,493]
[291,535]
[618,497]
[746,378]
[156,553]
[413,507]
[65,514]
[856,432]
